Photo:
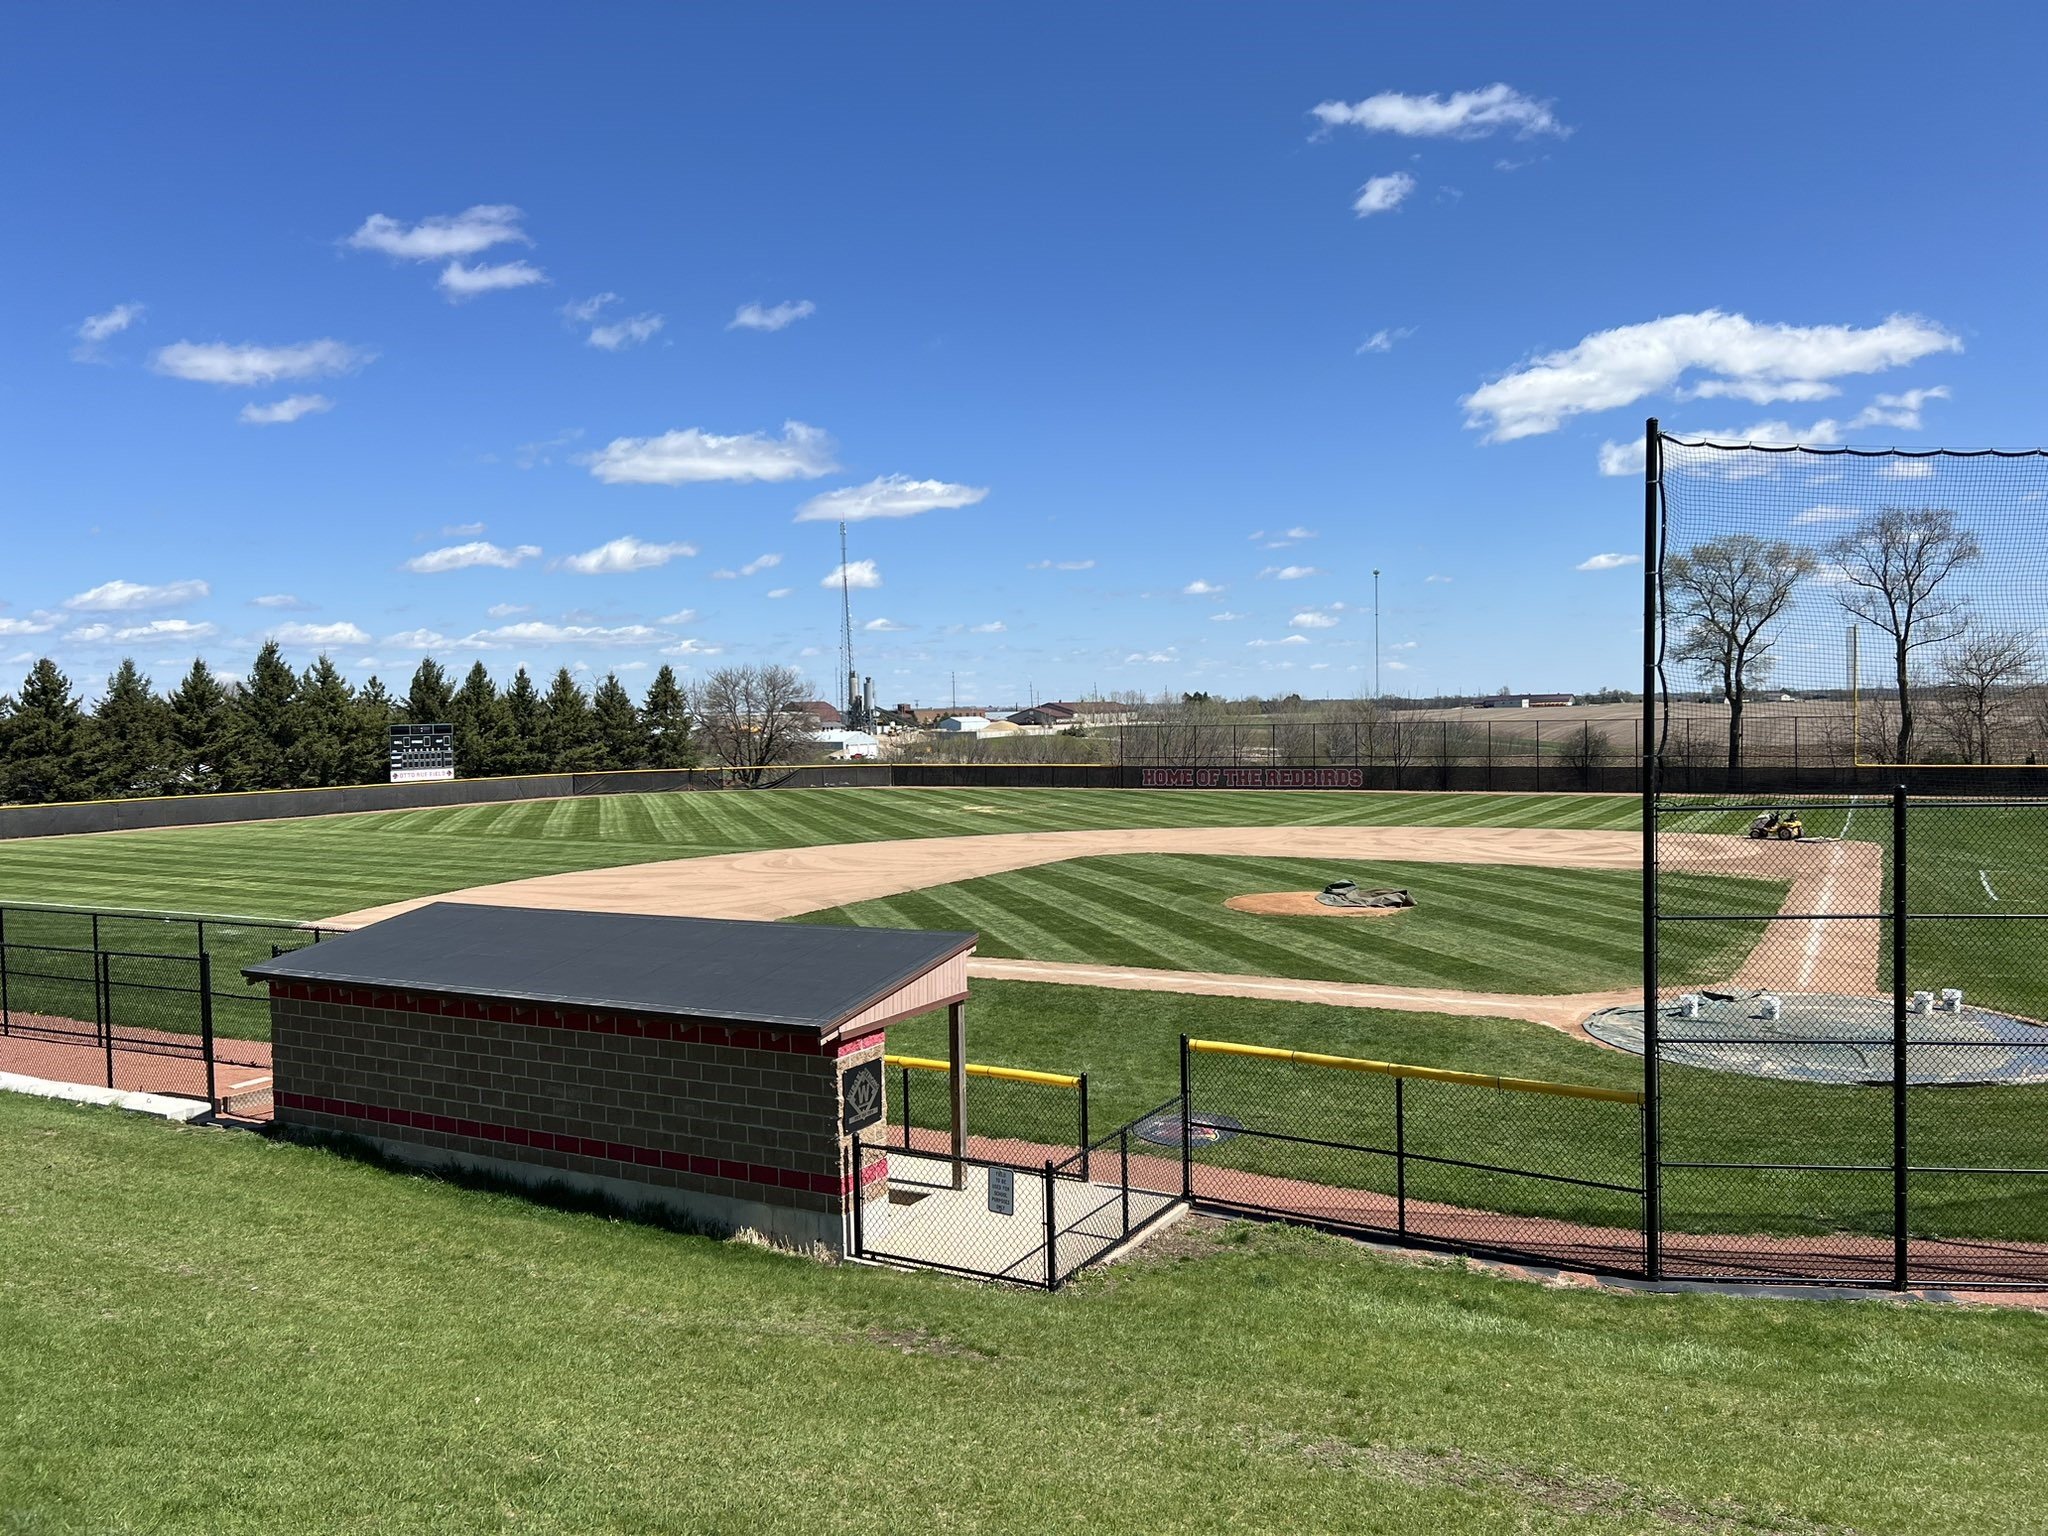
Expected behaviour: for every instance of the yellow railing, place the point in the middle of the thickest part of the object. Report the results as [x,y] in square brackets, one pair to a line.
[1428,1074]
[973,1069]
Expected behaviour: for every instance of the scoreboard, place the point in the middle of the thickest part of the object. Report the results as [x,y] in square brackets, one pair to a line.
[420,752]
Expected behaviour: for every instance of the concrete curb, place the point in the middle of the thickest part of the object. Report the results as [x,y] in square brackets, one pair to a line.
[163,1106]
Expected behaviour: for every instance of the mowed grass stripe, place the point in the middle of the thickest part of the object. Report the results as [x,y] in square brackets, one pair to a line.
[1477,927]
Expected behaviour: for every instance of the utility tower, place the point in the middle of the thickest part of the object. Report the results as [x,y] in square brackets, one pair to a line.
[850,699]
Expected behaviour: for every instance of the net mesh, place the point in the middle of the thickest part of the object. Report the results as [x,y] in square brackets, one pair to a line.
[1894,604]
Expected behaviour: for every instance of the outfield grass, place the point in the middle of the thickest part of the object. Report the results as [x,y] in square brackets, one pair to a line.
[211,1333]
[1128,1043]
[320,866]
[1476,927]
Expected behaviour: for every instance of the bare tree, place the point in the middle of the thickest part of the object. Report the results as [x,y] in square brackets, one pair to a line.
[1727,593]
[1981,672]
[751,720]
[1893,566]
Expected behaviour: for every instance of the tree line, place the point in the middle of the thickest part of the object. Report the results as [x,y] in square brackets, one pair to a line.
[281,729]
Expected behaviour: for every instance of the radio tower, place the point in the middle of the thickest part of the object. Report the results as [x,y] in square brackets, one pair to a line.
[851,706]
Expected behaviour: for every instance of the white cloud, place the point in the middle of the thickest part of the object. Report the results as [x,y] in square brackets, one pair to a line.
[992,627]
[1404,645]
[583,311]
[1608,562]
[699,648]
[1061,565]
[1613,368]
[1622,458]
[1901,412]
[441,236]
[679,458]
[752,317]
[1225,617]
[1906,469]
[248,365]
[529,454]
[759,564]
[155,629]
[1397,666]
[883,627]
[460,557]
[780,591]
[1312,620]
[888,496]
[460,282]
[625,554]
[461,530]
[1200,588]
[1150,658]
[1301,533]
[94,329]
[539,632]
[1476,114]
[509,610]
[1383,339]
[1383,194]
[281,601]
[290,408]
[1289,640]
[1290,572]
[621,334]
[133,597]
[857,573]
[319,634]
[1828,515]
[38,624]
[1434,580]
[420,640]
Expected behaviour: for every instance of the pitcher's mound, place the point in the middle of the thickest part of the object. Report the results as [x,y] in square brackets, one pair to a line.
[1303,904]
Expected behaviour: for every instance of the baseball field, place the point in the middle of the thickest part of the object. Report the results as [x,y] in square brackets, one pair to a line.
[274,1337]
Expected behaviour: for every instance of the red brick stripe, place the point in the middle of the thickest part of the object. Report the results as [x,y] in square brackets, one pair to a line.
[594,1022]
[584,1146]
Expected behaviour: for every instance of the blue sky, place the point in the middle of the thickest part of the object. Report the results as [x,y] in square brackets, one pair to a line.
[1147,360]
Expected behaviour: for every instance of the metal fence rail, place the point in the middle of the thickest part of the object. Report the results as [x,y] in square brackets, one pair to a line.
[1014,1115]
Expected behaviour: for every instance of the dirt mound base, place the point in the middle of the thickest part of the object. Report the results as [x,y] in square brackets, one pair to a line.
[1303,904]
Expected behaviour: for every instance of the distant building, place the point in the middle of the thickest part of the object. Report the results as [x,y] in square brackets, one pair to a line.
[825,714]
[849,746]
[1055,715]
[1085,712]
[964,725]
[1528,701]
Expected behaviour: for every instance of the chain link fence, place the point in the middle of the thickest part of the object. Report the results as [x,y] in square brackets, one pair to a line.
[1014,1116]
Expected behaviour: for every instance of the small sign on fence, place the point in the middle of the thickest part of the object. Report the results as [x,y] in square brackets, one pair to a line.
[1002,1191]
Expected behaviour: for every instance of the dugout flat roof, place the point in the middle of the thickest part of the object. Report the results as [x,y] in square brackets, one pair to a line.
[795,976]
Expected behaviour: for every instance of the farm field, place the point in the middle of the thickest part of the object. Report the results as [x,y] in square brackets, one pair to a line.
[410,1355]
[1476,927]
[319,866]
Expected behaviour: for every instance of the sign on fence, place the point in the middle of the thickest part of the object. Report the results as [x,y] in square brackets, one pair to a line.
[1251,778]
[1002,1191]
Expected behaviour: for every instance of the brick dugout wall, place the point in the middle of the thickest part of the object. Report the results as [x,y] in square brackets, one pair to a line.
[732,1126]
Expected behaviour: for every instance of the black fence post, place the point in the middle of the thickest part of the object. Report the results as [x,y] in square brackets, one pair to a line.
[860,1194]
[1400,1157]
[1899,958]
[6,1018]
[1082,1088]
[1052,1262]
[1187,1145]
[206,1022]
[103,1003]
[1123,1180]
[1652,763]
[905,1073]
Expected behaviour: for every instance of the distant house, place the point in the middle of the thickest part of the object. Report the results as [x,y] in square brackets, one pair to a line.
[1055,715]
[964,725]
[1095,712]
[1528,701]
[825,714]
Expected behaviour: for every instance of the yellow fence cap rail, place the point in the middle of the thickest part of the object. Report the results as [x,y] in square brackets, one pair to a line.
[974,1069]
[1427,1074]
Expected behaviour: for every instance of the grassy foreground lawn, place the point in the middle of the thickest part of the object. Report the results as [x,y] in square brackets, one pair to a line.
[1128,1044]
[319,866]
[210,1333]
[1476,927]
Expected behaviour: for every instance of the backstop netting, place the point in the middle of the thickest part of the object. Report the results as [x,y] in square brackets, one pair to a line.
[1843,1028]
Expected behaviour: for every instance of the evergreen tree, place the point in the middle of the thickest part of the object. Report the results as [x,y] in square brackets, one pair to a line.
[132,750]
[202,732]
[665,723]
[568,738]
[431,698]
[620,743]
[322,725]
[46,742]
[368,759]
[267,710]
[476,712]
[521,741]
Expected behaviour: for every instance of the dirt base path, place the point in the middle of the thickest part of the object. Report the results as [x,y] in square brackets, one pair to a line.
[782,882]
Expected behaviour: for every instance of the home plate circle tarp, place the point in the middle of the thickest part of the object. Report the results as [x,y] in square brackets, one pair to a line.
[1821,1037]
